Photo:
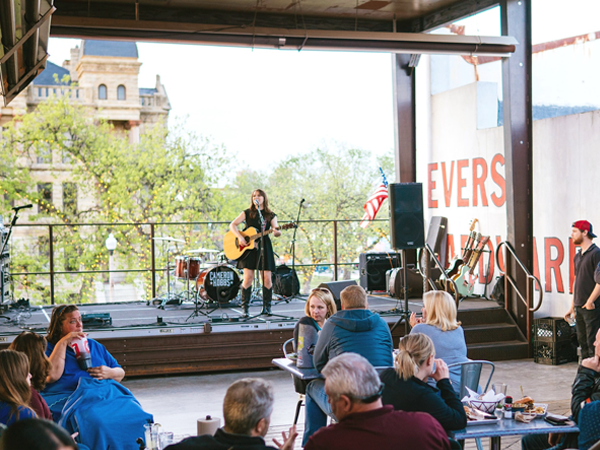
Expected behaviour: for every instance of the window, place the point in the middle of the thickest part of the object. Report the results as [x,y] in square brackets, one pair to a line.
[121,92]
[102,92]
[44,153]
[44,197]
[69,198]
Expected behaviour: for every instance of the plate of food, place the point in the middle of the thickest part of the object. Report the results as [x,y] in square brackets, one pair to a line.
[528,405]
[476,417]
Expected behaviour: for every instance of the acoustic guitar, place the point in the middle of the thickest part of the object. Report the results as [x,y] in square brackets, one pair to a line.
[457,263]
[234,250]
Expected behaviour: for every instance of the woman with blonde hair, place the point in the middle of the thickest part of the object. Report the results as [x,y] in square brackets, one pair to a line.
[406,388]
[15,390]
[440,324]
[319,307]
[34,346]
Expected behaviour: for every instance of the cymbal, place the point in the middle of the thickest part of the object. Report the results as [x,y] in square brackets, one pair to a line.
[167,238]
[203,250]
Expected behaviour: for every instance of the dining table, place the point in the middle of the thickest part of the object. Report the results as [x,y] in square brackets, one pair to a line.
[289,365]
[511,427]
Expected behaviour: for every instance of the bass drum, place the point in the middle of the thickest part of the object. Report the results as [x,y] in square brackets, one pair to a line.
[220,284]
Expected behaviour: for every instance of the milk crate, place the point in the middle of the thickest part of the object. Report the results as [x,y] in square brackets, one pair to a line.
[554,353]
[551,329]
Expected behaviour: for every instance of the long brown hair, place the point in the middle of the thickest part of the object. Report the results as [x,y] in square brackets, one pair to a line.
[34,346]
[54,332]
[267,213]
[14,388]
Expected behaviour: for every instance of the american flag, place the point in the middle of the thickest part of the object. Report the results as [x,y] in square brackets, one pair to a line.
[374,202]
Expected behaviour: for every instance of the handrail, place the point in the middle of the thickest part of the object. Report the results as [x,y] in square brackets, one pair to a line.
[511,249]
[441,268]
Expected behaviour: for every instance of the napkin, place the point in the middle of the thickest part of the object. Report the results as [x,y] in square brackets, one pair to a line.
[525,418]
[489,396]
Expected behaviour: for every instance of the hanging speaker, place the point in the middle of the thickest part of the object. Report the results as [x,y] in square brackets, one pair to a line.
[406,215]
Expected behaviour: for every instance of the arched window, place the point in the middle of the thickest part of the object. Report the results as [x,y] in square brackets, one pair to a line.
[121,92]
[102,92]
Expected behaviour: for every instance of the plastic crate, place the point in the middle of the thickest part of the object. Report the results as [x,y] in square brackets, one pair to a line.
[554,353]
[551,329]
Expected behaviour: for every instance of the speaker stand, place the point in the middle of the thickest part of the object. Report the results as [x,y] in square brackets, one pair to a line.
[404,314]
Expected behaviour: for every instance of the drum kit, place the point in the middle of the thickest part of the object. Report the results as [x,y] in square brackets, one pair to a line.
[209,283]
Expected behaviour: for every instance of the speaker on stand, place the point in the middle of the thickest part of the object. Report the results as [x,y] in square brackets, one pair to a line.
[406,227]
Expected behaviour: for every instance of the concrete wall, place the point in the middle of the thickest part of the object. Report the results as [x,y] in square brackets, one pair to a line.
[462,171]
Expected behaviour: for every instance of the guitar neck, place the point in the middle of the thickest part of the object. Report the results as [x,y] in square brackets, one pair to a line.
[261,234]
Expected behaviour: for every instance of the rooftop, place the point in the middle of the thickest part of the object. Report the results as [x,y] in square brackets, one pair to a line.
[124,49]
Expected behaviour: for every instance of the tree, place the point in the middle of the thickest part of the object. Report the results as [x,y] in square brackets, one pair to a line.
[170,175]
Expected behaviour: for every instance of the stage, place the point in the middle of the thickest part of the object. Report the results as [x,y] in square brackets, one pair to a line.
[147,340]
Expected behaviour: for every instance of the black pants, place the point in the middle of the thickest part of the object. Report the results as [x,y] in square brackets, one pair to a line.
[588,323]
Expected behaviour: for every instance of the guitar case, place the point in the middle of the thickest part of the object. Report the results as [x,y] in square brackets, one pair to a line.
[285,281]
[395,277]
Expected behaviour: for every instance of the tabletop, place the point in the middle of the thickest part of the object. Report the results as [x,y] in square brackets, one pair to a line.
[290,366]
[510,427]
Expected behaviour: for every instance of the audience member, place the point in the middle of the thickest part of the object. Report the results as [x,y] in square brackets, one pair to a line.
[585,305]
[320,306]
[585,390]
[354,329]
[34,346]
[247,410]
[406,386]
[36,434]
[91,403]
[440,324]
[15,389]
[354,390]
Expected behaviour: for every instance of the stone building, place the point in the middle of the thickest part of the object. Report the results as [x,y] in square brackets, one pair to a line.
[103,76]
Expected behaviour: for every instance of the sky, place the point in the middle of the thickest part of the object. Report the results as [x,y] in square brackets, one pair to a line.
[265,105]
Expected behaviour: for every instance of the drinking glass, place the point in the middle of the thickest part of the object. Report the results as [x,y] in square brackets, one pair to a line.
[165,438]
[500,388]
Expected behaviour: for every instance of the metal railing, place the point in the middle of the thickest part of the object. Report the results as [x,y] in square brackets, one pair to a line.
[526,299]
[148,255]
[447,279]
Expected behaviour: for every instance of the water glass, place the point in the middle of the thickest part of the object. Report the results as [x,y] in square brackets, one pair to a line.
[165,438]
[500,388]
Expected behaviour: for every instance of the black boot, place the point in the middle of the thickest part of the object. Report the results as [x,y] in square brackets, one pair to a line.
[246,294]
[267,296]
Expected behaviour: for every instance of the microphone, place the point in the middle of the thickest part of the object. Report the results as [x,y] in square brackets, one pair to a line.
[256,203]
[302,201]
[16,208]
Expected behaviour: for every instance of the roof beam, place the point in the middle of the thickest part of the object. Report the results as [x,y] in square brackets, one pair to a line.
[451,14]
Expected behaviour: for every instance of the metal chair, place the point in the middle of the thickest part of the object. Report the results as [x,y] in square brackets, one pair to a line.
[470,375]
[299,386]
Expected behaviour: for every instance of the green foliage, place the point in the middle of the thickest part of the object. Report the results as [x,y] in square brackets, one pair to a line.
[168,176]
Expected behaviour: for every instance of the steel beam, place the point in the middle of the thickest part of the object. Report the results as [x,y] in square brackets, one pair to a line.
[518,144]
[404,118]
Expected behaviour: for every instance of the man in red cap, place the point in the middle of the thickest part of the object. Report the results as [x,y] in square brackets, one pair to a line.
[585,305]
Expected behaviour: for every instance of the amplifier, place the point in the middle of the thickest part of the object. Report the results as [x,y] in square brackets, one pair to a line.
[373,267]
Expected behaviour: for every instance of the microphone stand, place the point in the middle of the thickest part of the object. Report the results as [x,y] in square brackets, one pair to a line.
[293,250]
[4,244]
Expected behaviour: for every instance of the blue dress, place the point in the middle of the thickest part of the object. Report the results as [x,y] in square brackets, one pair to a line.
[57,393]
[8,418]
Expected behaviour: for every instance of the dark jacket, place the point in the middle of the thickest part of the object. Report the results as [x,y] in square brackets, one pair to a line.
[222,441]
[357,331]
[415,395]
[586,386]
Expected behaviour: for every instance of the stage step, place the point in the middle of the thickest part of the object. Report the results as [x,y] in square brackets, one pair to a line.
[492,334]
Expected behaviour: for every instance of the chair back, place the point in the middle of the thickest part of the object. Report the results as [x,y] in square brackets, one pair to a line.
[470,375]
[285,350]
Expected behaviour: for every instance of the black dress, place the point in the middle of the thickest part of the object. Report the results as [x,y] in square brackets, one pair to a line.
[252,258]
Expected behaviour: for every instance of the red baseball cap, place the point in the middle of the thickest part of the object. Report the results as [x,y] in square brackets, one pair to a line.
[584,225]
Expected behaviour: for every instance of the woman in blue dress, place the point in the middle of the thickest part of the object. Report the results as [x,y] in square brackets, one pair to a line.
[253,259]
[15,387]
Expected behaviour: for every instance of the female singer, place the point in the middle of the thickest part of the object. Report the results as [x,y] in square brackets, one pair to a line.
[251,260]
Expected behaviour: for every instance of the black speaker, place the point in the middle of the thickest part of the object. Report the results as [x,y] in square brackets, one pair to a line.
[335,287]
[285,281]
[406,215]
[373,267]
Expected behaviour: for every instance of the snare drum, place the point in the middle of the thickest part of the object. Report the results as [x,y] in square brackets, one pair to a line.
[187,268]
[220,284]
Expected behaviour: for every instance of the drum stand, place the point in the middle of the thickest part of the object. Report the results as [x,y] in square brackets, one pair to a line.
[162,301]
